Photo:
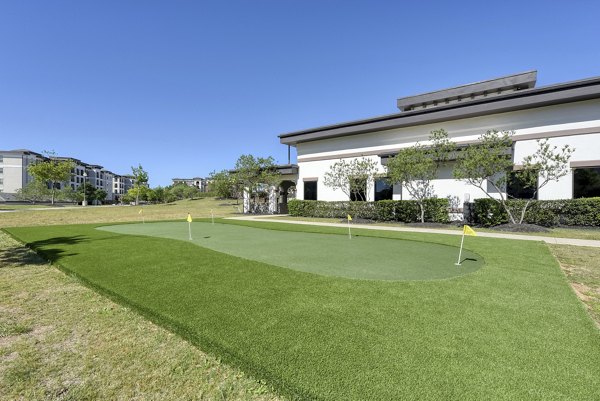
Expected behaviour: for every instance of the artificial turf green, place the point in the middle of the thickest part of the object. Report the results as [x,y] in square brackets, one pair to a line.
[332,255]
[512,330]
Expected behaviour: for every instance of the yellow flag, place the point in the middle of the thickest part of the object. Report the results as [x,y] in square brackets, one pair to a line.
[349,218]
[141,210]
[189,218]
[468,231]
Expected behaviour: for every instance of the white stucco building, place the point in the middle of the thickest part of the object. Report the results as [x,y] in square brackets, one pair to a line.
[566,113]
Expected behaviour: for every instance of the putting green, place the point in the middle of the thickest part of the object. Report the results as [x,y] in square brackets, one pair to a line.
[326,254]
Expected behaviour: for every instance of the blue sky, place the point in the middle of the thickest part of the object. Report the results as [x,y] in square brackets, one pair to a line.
[185,87]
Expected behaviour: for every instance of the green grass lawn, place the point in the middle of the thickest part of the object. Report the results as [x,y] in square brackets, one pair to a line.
[513,329]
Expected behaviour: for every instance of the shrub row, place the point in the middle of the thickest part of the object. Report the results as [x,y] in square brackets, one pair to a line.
[548,213]
[406,211]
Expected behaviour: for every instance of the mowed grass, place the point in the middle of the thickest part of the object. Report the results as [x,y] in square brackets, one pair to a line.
[512,330]
[62,341]
[103,214]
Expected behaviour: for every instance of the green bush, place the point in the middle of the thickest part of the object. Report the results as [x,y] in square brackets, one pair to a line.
[436,210]
[548,213]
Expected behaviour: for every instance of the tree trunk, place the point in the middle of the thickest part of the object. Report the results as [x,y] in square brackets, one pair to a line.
[422,206]
[524,210]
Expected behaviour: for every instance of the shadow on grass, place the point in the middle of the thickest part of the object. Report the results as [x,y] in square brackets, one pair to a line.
[51,254]
[19,256]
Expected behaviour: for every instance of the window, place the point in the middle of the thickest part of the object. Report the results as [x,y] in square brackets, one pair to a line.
[1,170]
[310,190]
[586,182]
[516,189]
[383,190]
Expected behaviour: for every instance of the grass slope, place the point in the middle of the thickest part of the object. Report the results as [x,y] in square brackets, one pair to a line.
[62,341]
[512,330]
[332,255]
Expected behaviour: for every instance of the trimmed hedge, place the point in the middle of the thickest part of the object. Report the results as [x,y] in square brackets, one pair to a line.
[548,213]
[406,211]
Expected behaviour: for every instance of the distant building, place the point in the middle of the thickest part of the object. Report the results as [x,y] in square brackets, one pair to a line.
[13,169]
[198,182]
[14,175]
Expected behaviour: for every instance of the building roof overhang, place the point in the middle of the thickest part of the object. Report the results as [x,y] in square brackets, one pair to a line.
[524,99]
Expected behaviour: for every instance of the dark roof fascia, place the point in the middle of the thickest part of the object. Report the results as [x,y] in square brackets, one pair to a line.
[521,100]
[23,152]
[525,80]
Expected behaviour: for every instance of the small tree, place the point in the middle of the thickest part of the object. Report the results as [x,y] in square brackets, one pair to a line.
[100,195]
[191,192]
[68,194]
[353,178]
[222,183]
[52,172]
[135,195]
[34,191]
[489,162]
[547,164]
[140,179]
[255,175]
[417,166]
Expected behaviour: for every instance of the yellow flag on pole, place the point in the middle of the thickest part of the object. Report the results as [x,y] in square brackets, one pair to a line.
[469,231]
[349,218]
[141,210]
[189,218]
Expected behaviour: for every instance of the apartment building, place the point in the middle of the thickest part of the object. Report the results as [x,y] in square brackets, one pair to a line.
[13,169]
[14,174]
[198,182]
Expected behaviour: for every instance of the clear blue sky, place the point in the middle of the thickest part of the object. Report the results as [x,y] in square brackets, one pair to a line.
[185,87]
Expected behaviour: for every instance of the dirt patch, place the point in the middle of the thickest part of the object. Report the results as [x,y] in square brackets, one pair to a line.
[432,225]
[581,290]
[521,228]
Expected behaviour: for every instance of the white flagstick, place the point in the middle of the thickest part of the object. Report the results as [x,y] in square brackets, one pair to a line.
[190,229]
[349,233]
[461,246]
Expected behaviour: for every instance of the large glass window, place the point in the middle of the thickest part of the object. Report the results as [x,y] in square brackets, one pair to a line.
[310,190]
[516,189]
[383,190]
[586,182]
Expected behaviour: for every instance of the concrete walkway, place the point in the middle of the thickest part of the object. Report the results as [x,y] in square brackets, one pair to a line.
[524,237]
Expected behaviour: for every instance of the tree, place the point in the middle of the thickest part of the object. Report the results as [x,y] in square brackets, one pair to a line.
[255,175]
[353,178]
[156,195]
[68,194]
[191,192]
[91,193]
[222,183]
[34,191]
[100,195]
[53,172]
[417,166]
[89,190]
[489,162]
[136,194]
[547,164]
[177,191]
[140,179]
